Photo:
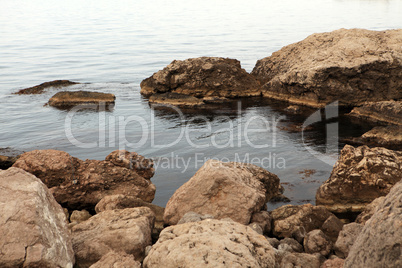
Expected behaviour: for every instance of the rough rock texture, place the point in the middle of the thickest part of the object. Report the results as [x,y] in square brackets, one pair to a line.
[286,259]
[388,112]
[296,221]
[379,243]
[78,184]
[7,161]
[127,230]
[331,227]
[67,99]
[117,260]
[390,137]
[334,263]
[359,176]
[39,89]
[193,79]
[317,242]
[352,66]
[33,227]
[368,211]
[210,243]
[346,239]
[233,190]
[264,219]
[193,217]
[291,245]
[80,216]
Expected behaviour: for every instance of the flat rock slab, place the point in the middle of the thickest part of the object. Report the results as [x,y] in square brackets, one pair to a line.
[67,99]
[385,112]
[39,89]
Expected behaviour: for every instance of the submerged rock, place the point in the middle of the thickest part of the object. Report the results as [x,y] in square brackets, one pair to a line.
[359,176]
[223,190]
[39,89]
[352,66]
[385,112]
[68,99]
[33,227]
[197,81]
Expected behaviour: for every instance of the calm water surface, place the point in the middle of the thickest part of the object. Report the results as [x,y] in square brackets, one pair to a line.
[112,45]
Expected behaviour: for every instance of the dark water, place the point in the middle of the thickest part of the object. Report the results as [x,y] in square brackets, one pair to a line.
[113,45]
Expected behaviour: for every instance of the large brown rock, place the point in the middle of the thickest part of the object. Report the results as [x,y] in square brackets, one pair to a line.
[67,99]
[346,239]
[317,242]
[379,244]
[126,230]
[33,227]
[210,243]
[223,190]
[296,221]
[199,81]
[352,66]
[388,112]
[78,184]
[359,176]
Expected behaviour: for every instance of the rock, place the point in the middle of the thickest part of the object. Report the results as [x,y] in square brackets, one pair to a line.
[390,137]
[79,216]
[189,81]
[293,109]
[233,190]
[317,242]
[290,245]
[33,227]
[286,259]
[256,227]
[379,243]
[116,260]
[210,243]
[295,221]
[334,263]
[78,184]
[346,239]
[359,176]
[331,227]
[368,211]
[384,112]
[193,217]
[127,230]
[273,241]
[263,219]
[39,89]
[7,161]
[88,99]
[350,66]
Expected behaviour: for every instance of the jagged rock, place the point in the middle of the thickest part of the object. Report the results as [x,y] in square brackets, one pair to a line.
[317,242]
[388,112]
[78,184]
[286,259]
[33,227]
[351,66]
[346,239]
[210,243]
[331,227]
[333,263]
[368,211]
[127,230]
[296,221]
[379,243]
[200,81]
[80,216]
[233,190]
[116,260]
[359,176]
[263,219]
[193,217]
[39,89]
[290,245]
[390,137]
[68,99]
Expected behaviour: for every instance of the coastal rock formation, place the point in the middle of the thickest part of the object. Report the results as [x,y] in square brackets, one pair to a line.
[210,243]
[78,184]
[351,66]
[68,99]
[379,244]
[359,176]
[296,221]
[197,81]
[384,112]
[117,260]
[122,230]
[33,227]
[223,190]
[390,137]
[346,239]
[39,89]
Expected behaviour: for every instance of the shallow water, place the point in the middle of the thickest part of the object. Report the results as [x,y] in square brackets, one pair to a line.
[112,45]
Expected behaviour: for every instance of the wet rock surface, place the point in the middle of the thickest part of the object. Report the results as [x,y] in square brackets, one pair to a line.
[88,99]
[359,176]
[351,66]
[33,227]
[384,112]
[39,89]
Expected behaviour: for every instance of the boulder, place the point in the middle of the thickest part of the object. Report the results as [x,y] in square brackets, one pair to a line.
[199,81]
[383,112]
[80,216]
[286,259]
[122,230]
[193,217]
[331,227]
[39,89]
[359,176]
[333,263]
[210,243]
[317,242]
[131,160]
[78,184]
[263,219]
[233,190]
[368,211]
[290,245]
[352,66]
[117,260]
[296,221]
[33,226]
[379,243]
[346,239]
[68,99]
